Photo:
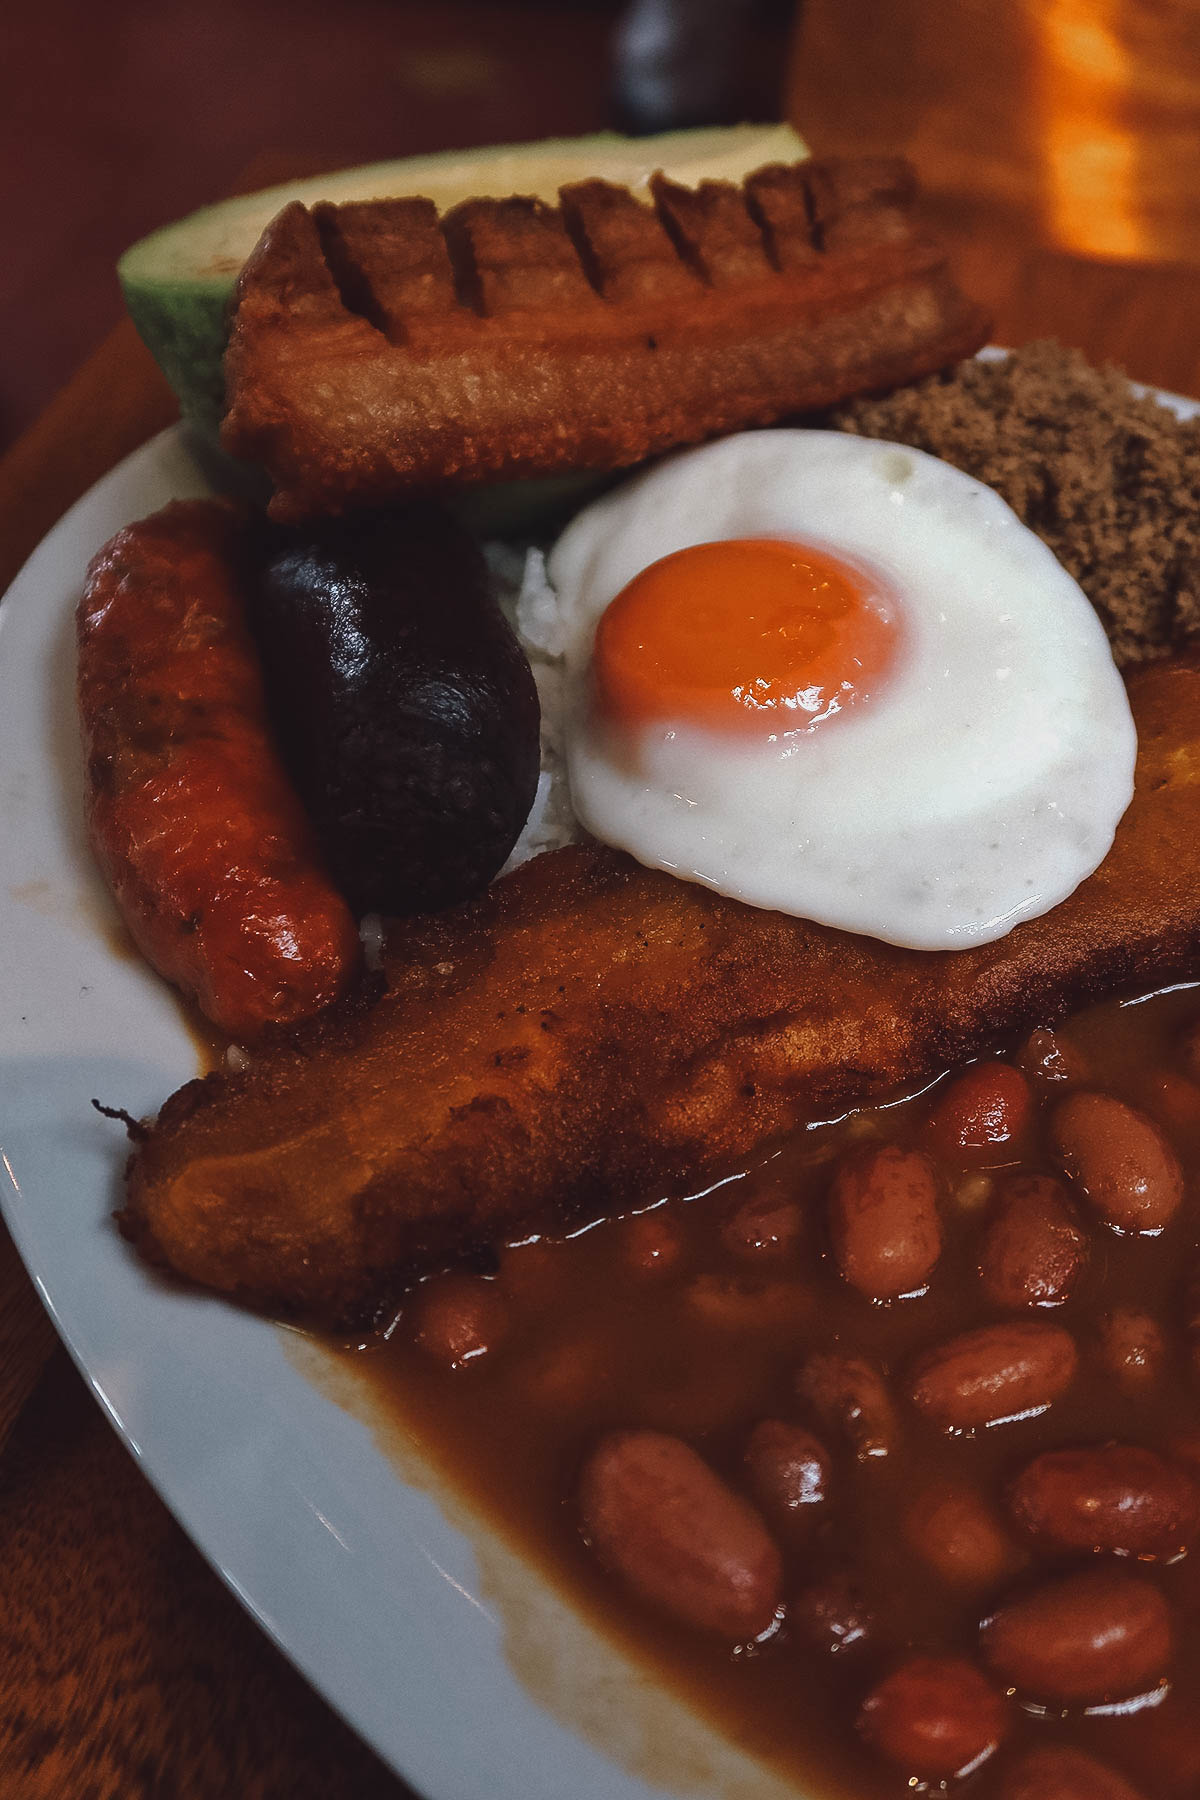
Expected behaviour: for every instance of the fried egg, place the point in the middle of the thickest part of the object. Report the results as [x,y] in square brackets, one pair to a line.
[839,678]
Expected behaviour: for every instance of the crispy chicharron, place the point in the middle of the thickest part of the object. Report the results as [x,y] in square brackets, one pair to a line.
[592,1034]
[377,347]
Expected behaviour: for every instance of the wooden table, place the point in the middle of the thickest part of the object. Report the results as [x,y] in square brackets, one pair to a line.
[127,1672]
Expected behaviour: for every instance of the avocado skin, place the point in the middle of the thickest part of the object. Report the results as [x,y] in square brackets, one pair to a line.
[185,327]
[404,704]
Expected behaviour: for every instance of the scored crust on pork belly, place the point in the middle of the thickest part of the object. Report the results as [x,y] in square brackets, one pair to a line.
[377,348]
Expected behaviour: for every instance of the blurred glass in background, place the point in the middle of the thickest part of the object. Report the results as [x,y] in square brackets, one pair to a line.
[1083,115]
[699,62]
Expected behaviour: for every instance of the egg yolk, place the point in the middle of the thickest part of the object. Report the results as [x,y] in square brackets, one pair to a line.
[748,634]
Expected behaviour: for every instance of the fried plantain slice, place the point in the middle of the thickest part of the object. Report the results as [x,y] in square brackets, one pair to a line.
[591,1034]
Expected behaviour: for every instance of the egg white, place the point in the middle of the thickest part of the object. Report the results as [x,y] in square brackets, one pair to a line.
[980,785]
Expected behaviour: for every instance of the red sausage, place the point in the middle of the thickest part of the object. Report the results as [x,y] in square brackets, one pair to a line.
[193,820]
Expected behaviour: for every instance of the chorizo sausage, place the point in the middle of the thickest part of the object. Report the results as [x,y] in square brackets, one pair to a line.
[197,830]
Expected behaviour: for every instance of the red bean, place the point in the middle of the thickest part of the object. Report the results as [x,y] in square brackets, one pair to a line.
[1099,1636]
[1050,1058]
[678,1536]
[981,1114]
[831,1616]
[1121,1161]
[1173,1101]
[850,1397]
[959,1535]
[788,1469]
[458,1319]
[935,1717]
[1033,1249]
[1059,1773]
[884,1222]
[651,1243]
[767,1228]
[745,1303]
[1132,1348]
[1000,1372]
[1120,1499]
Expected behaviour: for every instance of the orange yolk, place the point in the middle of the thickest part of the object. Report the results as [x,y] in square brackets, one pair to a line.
[750,634]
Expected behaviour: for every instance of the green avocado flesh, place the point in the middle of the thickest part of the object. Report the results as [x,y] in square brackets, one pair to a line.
[179,281]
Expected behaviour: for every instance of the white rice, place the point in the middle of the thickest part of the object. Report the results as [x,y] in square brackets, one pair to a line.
[530,605]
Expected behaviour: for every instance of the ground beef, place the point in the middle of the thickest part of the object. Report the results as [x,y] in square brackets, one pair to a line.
[1107,477]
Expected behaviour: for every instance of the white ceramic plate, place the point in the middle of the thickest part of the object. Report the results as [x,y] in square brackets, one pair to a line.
[454,1660]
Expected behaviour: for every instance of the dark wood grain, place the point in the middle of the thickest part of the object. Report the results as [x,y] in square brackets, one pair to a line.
[127,1672]
[27,1337]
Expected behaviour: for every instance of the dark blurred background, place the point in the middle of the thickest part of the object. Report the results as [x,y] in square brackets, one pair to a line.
[1042,130]
[120,115]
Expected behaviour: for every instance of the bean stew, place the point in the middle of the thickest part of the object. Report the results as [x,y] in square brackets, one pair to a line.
[886,1451]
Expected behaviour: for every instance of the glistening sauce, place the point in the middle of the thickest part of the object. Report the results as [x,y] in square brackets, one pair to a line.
[704,1339]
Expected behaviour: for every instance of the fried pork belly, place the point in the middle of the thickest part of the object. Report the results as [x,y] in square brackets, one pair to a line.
[378,348]
[592,1034]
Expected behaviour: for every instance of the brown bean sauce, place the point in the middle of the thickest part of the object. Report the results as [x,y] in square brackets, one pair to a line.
[694,1320]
